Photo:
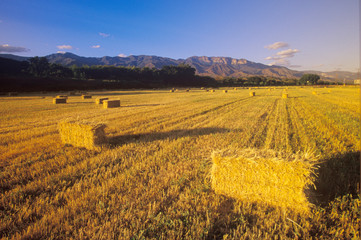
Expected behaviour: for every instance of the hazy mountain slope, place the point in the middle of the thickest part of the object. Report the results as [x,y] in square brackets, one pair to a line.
[207,66]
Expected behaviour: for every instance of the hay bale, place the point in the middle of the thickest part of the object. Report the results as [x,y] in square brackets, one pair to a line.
[314,93]
[62,96]
[111,103]
[252,94]
[86,96]
[171,90]
[284,95]
[82,134]
[263,176]
[213,90]
[187,90]
[100,100]
[225,91]
[235,89]
[59,100]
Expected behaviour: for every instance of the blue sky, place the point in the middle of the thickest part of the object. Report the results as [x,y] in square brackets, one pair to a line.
[299,34]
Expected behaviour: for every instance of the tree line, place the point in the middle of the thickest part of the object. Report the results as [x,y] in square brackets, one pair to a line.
[39,74]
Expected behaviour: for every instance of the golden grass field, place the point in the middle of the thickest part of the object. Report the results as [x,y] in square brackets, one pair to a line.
[153,178]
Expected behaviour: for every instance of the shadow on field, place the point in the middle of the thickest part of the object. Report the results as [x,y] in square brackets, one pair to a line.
[125,93]
[337,176]
[154,136]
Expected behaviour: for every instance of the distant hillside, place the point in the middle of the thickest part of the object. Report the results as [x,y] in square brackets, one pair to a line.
[207,66]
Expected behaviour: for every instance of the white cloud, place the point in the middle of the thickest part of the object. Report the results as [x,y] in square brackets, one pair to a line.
[64,47]
[96,46]
[62,52]
[104,34]
[121,55]
[287,53]
[8,48]
[282,58]
[277,45]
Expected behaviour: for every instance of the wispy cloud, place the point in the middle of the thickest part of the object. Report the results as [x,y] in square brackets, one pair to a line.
[64,47]
[95,46]
[281,58]
[277,45]
[122,55]
[288,53]
[8,48]
[104,34]
[62,52]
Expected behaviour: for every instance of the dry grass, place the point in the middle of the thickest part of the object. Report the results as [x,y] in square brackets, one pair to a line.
[153,181]
[82,134]
[86,97]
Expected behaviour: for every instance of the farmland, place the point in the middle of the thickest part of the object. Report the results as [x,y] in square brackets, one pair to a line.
[152,180]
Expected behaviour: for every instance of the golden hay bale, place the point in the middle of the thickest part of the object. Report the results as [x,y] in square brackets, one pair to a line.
[213,90]
[82,134]
[59,100]
[187,90]
[86,96]
[62,96]
[284,95]
[314,93]
[225,91]
[171,90]
[111,103]
[329,91]
[252,94]
[235,89]
[263,176]
[249,88]
[269,89]
[100,100]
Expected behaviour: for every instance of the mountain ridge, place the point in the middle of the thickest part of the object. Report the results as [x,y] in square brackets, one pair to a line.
[217,67]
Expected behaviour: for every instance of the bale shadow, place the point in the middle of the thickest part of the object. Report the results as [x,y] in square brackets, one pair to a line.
[336,176]
[115,141]
[142,105]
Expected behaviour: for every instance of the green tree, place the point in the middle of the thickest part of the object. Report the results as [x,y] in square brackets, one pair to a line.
[309,79]
[39,67]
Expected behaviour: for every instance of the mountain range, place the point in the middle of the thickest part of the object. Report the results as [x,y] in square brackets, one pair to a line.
[217,67]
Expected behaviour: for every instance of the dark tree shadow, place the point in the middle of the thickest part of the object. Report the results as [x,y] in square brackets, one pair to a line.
[336,176]
[118,140]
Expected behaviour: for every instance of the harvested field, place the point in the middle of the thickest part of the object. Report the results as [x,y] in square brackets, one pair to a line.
[153,180]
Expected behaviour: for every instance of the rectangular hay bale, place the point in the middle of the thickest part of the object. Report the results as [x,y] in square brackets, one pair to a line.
[100,100]
[266,180]
[82,134]
[111,103]
[59,100]
[86,96]
[252,94]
